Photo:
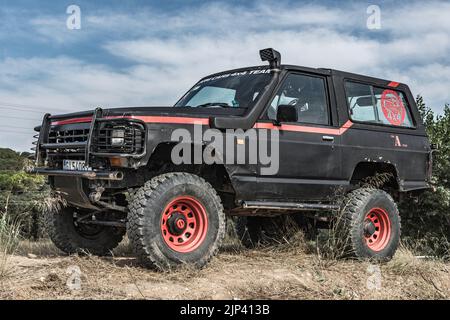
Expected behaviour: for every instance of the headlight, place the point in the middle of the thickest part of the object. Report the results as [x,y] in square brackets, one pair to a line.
[117,137]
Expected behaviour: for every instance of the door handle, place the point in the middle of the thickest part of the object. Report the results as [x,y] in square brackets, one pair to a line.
[327,138]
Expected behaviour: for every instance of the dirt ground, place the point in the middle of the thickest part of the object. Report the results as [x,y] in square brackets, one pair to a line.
[39,271]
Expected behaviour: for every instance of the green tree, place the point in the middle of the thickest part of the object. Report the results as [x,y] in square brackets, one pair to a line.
[20,193]
[426,223]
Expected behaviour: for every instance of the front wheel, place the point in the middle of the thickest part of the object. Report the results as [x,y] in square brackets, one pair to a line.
[372,223]
[174,219]
[72,237]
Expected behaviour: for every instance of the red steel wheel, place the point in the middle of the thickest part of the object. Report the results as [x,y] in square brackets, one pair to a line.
[377,229]
[184,224]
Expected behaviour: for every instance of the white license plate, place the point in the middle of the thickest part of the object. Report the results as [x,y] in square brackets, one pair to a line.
[75,165]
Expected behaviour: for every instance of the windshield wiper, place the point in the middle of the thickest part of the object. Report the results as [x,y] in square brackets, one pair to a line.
[213,104]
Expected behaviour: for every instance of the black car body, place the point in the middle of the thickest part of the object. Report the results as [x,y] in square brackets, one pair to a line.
[334,155]
[363,127]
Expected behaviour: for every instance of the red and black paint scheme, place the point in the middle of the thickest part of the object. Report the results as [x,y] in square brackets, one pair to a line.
[174,213]
[314,159]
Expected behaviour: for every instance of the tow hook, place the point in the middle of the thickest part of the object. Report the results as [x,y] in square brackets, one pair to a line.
[96,195]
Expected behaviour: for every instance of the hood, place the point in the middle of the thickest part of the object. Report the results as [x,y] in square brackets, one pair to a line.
[86,116]
[176,111]
[158,111]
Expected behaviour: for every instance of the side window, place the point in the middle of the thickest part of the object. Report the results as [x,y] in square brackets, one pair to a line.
[392,107]
[360,102]
[373,104]
[307,94]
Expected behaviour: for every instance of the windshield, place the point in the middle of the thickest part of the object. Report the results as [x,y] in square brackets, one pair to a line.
[231,90]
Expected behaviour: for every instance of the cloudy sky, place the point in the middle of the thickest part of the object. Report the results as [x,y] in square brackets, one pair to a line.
[131,52]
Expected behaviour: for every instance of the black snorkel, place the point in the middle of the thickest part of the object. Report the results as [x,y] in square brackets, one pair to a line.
[248,120]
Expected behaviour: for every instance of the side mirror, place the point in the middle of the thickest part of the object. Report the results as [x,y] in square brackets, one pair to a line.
[286,113]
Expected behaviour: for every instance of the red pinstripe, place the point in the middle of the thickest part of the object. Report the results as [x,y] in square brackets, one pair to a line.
[393,84]
[174,120]
[300,128]
[204,121]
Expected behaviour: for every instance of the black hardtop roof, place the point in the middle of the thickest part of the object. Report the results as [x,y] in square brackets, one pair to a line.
[322,71]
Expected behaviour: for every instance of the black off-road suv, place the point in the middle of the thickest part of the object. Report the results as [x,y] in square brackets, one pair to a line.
[328,133]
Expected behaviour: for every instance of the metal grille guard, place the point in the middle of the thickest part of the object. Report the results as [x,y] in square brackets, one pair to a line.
[43,145]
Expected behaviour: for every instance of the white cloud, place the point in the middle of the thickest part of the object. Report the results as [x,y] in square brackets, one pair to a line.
[418,49]
[221,18]
[417,18]
[315,47]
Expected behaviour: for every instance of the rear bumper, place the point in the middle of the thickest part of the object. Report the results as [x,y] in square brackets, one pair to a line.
[91,175]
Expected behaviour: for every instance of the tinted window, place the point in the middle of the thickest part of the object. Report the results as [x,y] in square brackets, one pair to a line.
[378,105]
[307,94]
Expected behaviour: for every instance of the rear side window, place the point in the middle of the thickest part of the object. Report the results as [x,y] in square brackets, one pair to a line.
[377,105]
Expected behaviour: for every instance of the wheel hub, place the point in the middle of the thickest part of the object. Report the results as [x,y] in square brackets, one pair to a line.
[184,224]
[377,229]
[177,224]
[369,228]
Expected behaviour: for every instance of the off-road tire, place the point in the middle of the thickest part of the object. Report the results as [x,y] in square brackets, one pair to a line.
[145,220]
[357,207]
[68,238]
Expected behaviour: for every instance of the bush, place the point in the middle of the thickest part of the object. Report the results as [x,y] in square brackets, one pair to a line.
[21,195]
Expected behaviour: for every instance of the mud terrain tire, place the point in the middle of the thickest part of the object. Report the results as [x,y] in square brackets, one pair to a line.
[372,224]
[70,238]
[174,219]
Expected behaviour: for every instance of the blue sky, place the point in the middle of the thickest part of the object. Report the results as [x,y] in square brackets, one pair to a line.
[150,52]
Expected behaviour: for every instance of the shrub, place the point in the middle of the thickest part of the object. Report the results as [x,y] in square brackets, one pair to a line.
[426,223]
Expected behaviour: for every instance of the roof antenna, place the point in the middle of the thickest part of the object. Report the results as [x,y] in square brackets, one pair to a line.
[271,55]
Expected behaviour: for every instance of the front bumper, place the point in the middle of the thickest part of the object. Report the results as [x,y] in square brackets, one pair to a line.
[91,175]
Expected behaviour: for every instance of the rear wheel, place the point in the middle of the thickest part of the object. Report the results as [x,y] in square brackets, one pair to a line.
[372,223]
[73,237]
[176,218]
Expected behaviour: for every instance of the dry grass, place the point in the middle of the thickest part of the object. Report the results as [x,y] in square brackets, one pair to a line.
[289,270]
[9,240]
[278,272]
[52,203]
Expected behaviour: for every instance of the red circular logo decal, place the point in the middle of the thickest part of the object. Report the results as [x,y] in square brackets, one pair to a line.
[393,107]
